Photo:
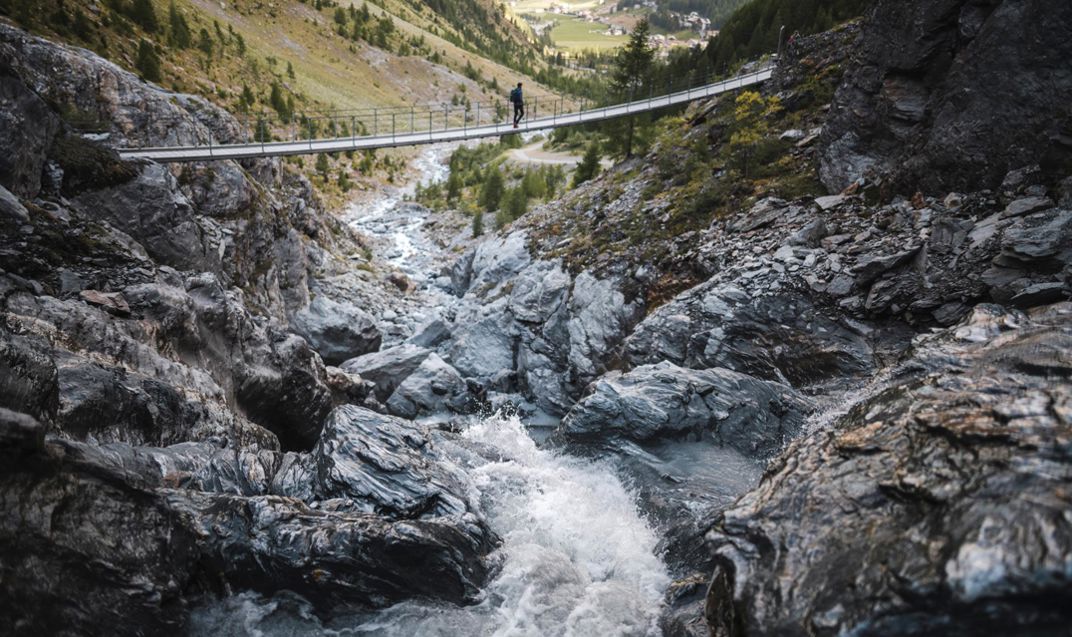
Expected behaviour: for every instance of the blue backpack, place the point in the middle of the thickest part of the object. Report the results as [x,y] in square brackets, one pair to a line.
[515,96]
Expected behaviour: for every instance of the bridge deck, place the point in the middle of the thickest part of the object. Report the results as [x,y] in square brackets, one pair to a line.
[342,144]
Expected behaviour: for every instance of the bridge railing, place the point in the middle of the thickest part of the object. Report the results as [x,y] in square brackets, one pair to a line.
[270,126]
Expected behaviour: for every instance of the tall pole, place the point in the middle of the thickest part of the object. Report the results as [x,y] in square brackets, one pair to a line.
[781,33]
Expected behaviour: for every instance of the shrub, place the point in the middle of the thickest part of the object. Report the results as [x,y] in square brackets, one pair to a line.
[148,63]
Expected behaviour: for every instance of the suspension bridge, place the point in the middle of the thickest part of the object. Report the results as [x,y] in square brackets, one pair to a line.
[406,127]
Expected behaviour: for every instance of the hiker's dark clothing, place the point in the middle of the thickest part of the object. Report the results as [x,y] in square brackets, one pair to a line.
[519,104]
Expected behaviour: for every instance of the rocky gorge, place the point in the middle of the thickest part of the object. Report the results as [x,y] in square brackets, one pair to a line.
[853,419]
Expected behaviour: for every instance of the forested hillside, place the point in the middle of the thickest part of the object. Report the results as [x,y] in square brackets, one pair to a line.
[753,29]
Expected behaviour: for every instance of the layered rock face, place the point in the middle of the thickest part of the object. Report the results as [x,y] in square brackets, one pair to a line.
[170,428]
[937,505]
[952,95]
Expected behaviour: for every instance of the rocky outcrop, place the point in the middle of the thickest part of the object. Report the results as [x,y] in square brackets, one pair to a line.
[730,409]
[168,430]
[935,504]
[337,331]
[779,336]
[127,535]
[952,95]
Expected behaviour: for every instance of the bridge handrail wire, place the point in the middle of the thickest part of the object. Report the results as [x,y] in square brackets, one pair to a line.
[579,116]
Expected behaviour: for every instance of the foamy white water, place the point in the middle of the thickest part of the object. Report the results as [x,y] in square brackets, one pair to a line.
[577,559]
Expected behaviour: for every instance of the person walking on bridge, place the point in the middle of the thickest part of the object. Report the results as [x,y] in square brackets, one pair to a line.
[519,104]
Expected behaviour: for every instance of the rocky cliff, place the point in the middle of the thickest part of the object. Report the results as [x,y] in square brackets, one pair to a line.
[169,426]
[952,95]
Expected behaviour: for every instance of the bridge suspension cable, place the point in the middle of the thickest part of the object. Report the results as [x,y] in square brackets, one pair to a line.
[391,127]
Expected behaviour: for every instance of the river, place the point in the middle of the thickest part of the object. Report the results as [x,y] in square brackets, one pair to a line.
[577,556]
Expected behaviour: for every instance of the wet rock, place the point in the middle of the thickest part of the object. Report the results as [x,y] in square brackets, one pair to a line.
[387,368]
[1041,294]
[483,344]
[337,331]
[85,549]
[434,387]
[19,433]
[370,463]
[869,267]
[830,202]
[782,338]
[27,128]
[930,109]
[937,501]
[12,208]
[600,318]
[29,381]
[750,415]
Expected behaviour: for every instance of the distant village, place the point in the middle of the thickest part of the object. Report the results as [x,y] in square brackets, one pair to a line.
[693,22]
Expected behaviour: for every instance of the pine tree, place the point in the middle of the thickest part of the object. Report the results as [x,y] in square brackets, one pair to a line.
[454,187]
[144,15]
[82,26]
[290,70]
[148,63]
[205,43]
[322,165]
[278,102]
[492,191]
[632,70]
[478,223]
[515,203]
[589,166]
[179,29]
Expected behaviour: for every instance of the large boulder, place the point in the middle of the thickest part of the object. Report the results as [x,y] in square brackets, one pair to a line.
[952,94]
[434,387]
[753,416]
[127,536]
[387,368]
[938,504]
[782,337]
[337,331]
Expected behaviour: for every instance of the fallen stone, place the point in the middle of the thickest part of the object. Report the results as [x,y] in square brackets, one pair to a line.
[1027,205]
[387,368]
[337,331]
[830,202]
[111,302]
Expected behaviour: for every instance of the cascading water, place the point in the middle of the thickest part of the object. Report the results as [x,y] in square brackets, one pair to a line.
[576,558]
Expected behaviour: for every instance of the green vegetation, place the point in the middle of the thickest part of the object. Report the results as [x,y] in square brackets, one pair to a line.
[632,73]
[751,125]
[589,166]
[148,64]
[753,29]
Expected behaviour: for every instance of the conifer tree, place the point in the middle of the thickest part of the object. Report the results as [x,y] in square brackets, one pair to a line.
[179,29]
[589,166]
[492,191]
[148,63]
[144,15]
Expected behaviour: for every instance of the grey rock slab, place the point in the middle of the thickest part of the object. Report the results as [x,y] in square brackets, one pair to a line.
[337,331]
[1027,205]
[387,368]
[434,387]
[750,415]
